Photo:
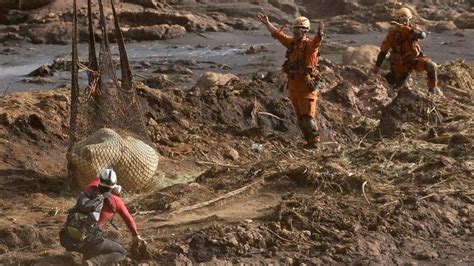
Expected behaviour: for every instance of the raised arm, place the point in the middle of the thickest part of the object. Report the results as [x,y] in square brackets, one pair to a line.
[276,32]
[264,19]
[318,39]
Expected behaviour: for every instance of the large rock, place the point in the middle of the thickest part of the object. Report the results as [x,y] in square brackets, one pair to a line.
[147,3]
[155,32]
[211,79]
[23,4]
[465,21]
[287,6]
[13,17]
[322,8]
[364,55]
[51,33]
[383,25]
[187,20]
[443,26]
[347,26]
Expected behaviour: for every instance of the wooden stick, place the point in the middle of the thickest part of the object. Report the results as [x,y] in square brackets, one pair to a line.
[209,202]
[439,183]
[457,91]
[363,191]
[272,115]
[219,164]
[145,212]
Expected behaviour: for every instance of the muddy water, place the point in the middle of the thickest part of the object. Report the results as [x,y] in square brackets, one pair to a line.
[221,52]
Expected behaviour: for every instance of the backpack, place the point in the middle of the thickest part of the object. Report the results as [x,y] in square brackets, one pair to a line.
[82,221]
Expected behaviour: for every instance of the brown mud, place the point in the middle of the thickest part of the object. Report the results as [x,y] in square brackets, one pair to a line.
[391,183]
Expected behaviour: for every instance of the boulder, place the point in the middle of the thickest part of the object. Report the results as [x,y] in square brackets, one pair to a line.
[13,17]
[155,32]
[41,71]
[443,26]
[211,79]
[147,3]
[347,26]
[362,56]
[383,25]
[23,4]
[465,21]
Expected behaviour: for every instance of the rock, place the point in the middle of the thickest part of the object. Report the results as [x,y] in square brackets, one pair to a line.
[259,75]
[145,3]
[23,4]
[159,82]
[50,33]
[145,64]
[8,51]
[233,241]
[383,25]
[173,69]
[184,123]
[426,254]
[464,212]
[243,24]
[147,33]
[232,154]
[347,26]
[287,6]
[306,233]
[11,37]
[176,138]
[364,55]
[211,79]
[13,17]
[42,71]
[38,80]
[449,217]
[443,26]
[465,21]
[192,22]
[288,261]
[152,122]
[175,31]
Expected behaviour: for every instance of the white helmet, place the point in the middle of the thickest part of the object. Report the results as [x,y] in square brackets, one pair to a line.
[404,12]
[302,22]
[108,178]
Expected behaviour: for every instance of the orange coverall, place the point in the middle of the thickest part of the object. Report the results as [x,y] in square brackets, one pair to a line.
[406,54]
[301,96]
[300,67]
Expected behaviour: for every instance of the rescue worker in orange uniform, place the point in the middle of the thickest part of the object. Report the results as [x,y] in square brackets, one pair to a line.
[302,73]
[405,53]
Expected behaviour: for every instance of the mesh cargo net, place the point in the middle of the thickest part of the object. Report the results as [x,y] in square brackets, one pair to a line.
[133,160]
[107,116]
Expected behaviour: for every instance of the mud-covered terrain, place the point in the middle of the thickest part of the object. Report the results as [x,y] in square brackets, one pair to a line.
[49,21]
[391,183]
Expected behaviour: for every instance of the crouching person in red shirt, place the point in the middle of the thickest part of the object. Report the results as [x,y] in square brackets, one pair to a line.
[93,209]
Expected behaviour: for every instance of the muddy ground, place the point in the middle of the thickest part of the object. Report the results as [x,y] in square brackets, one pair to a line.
[391,183]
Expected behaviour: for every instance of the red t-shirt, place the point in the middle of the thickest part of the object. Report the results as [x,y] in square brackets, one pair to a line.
[112,205]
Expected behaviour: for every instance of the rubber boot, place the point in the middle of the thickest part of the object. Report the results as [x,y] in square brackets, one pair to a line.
[433,88]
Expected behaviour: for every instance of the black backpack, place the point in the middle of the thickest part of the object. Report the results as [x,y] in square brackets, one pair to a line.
[82,221]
